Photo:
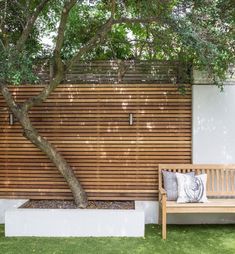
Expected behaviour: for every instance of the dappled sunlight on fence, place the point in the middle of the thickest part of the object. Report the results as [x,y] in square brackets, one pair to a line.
[90,125]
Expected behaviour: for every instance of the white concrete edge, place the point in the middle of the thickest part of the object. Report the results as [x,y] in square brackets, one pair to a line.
[6,204]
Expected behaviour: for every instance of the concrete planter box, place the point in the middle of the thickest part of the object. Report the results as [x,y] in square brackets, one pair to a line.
[74,222]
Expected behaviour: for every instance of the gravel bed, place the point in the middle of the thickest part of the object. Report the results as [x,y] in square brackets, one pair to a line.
[61,204]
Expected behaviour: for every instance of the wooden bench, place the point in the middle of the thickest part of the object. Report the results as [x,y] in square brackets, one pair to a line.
[220,191]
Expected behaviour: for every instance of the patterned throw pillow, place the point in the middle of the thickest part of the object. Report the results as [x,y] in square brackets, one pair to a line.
[191,189]
[170,184]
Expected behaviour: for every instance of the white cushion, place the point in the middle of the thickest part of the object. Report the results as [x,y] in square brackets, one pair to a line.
[191,189]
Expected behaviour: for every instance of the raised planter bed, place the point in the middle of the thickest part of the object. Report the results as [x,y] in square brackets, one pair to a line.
[74,222]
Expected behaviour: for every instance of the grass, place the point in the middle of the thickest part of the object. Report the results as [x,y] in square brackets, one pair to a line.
[204,239]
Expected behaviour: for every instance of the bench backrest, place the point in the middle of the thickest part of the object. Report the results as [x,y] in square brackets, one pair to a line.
[220,178]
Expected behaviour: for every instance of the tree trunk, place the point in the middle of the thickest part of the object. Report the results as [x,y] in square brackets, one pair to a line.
[53,154]
[45,146]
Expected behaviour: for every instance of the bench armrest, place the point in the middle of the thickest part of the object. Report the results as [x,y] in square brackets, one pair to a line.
[162,194]
[162,191]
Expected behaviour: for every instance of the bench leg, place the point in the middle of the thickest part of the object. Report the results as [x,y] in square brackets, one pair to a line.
[160,214]
[163,223]
[164,217]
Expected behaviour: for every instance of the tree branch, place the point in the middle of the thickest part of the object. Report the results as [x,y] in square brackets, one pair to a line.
[99,37]
[63,20]
[10,101]
[59,65]
[94,41]
[29,24]
[4,15]
[113,8]
[59,72]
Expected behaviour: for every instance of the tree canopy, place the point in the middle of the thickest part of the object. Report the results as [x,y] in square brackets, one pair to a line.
[201,33]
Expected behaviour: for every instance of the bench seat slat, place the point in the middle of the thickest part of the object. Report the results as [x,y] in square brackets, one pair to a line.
[213,206]
[211,203]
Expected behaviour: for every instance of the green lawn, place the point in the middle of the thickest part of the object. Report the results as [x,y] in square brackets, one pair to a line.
[181,239]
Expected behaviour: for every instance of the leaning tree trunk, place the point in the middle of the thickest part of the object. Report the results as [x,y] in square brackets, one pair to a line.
[53,154]
[46,147]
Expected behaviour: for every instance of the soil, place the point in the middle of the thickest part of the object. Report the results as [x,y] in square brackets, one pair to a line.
[61,204]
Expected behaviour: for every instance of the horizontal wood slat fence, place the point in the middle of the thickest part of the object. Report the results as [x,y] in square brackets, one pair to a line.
[89,124]
[118,71]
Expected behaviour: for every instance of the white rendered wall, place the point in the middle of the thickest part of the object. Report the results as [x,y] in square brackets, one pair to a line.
[213,124]
[213,135]
[151,210]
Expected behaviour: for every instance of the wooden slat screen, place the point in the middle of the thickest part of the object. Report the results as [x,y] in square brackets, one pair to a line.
[125,72]
[89,124]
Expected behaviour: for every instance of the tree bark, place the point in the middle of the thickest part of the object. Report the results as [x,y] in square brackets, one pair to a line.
[29,24]
[58,160]
[46,147]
